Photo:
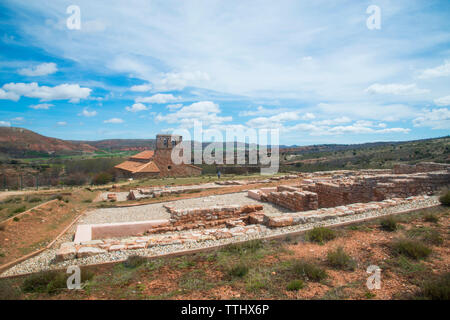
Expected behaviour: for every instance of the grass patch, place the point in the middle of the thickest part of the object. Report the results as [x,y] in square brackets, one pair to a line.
[338,259]
[19,210]
[309,271]
[194,280]
[429,217]
[320,235]
[389,224]
[295,285]
[49,282]
[407,266]
[436,289]
[238,271]
[243,248]
[427,235]
[256,281]
[8,291]
[444,199]
[411,248]
[134,261]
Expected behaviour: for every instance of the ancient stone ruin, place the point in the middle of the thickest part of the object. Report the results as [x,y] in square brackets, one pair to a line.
[311,198]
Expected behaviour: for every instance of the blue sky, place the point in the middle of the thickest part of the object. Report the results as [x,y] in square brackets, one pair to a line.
[312,69]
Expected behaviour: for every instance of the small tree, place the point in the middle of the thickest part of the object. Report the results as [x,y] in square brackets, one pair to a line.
[445,198]
[102,178]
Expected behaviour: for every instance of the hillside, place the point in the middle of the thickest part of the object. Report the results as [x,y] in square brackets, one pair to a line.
[121,144]
[368,155]
[23,143]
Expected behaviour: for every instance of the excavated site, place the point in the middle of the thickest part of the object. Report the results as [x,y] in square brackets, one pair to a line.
[300,203]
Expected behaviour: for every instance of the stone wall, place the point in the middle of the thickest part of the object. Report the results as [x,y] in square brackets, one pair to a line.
[163,159]
[205,215]
[295,218]
[334,192]
[420,167]
[293,198]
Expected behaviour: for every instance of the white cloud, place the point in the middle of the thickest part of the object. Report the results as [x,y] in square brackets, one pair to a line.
[141,87]
[174,106]
[113,120]
[259,111]
[395,89]
[5,124]
[329,122]
[18,119]
[136,107]
[4,95]
[71,92]
[358,127]
[61,123]
[435,119]
[43,106]
[205,112]
[170,48]
[88,113]
[42,69]
[388,112]
[442,102]
[278,119]
[439,71]
[179,80]
[157,98]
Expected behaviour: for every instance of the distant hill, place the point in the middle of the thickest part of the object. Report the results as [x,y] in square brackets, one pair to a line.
[121,144]
[23,143]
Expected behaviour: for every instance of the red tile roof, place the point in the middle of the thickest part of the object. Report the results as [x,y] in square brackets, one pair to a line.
[135,166]
[144,155]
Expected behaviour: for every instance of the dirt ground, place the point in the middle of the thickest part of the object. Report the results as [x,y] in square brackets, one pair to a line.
[267,267]
[35,230]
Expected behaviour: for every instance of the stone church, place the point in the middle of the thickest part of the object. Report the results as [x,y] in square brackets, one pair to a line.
[157,163]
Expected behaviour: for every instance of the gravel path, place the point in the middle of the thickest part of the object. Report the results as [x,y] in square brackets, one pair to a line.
[122,196]
[44,261]
[157,211]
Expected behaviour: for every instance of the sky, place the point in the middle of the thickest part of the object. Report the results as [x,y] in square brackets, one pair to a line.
[318,71]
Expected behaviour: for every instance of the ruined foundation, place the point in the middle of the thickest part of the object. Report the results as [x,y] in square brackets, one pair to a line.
[315,199]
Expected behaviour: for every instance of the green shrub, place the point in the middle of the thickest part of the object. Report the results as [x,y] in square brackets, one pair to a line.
[58,283]
[433,237]
[338,259]
[102,178]
[35,199]
[429,217]
[444,199]
[57,196]
[242,248]
[239,270]
[16,219]
[19,209]
[45,282]
[134,261]
[8,291]
[389,224]
[438,289]
[411,248]
[320,235]
[427,235]
[309,271]
[295,285]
